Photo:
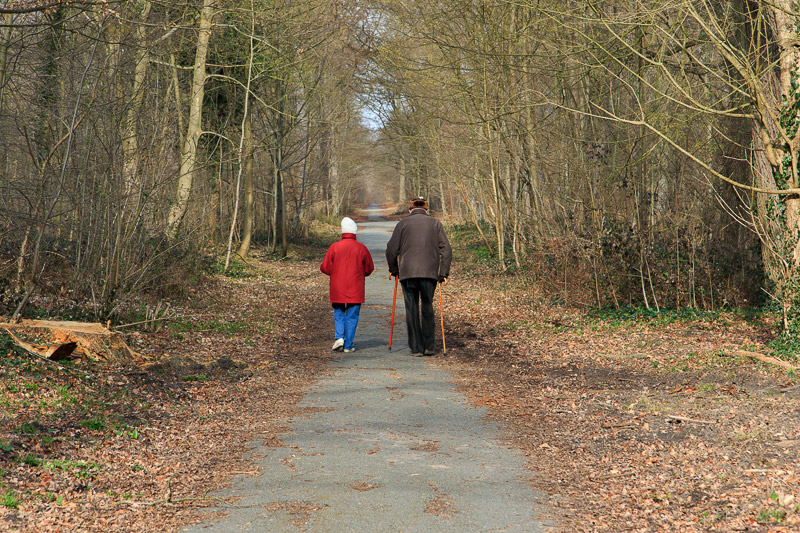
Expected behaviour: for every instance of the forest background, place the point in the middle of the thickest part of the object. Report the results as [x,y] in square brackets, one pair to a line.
[610,159]
[614,153]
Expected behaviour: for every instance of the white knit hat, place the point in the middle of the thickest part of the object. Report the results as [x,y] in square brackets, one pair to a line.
[349,225]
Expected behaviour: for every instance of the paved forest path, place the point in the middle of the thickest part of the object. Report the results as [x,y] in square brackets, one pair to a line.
[388,444]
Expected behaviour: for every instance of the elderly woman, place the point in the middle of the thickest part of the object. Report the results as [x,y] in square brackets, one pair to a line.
[348,263]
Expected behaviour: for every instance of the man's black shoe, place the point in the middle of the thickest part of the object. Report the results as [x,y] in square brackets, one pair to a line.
[428,352]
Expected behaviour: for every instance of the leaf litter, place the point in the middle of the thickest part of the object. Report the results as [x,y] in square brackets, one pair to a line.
[127,446]
[634,427]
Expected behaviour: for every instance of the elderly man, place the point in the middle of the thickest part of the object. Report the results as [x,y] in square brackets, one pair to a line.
[420,254]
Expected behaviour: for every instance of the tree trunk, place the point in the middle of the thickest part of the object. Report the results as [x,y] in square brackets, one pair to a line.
[50,76]
[304,193]
[278,188]
[499,222]
[7,21]
[130,139]
[401,192]
[279,203]
[194,128]
[130,153]
[178,99]
[774,163]
[249,197]
[333,171]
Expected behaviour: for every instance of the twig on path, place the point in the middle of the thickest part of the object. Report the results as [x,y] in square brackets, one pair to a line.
[180,500]
[142,322]
[620,425]
[686,419]
[601,477]
[786,443]
[764,358]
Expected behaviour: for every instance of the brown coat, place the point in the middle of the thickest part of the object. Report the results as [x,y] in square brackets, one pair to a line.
[419,248]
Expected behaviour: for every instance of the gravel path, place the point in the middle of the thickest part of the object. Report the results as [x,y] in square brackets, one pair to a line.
[387,444]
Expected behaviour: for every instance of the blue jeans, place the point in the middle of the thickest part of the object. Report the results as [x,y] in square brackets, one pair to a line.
[345,321]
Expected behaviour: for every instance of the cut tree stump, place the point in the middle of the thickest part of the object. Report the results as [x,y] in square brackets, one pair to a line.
[61,339]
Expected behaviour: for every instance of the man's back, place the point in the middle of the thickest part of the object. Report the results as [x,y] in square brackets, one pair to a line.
[421,246]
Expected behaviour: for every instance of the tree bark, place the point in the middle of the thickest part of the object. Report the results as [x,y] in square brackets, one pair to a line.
[130,139]
[278,187]
[5,43]
[401,192]
[249,198]
[773,145]
[194,127]
[279,203]
[130,152]
[333,170]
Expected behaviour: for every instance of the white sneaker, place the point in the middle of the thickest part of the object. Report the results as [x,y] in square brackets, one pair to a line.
[348,350]
[338,344]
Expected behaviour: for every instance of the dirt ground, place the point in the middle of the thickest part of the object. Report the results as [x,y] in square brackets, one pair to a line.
[631,425]
[130,447]
[627,425]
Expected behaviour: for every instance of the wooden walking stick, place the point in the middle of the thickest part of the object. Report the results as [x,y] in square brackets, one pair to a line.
[391,328]
[441,314]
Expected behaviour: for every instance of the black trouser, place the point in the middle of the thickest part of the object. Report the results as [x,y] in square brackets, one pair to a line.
[418,296]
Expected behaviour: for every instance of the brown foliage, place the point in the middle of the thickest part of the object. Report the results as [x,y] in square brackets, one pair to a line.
[134,447]
[637,426]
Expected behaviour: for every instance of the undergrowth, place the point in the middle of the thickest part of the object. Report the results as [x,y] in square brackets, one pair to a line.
[642,315]
[556,277]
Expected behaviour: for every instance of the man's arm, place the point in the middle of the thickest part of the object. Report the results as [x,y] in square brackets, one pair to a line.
[392,251]
[445,253]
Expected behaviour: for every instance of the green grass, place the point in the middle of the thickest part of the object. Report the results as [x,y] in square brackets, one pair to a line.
[94,423]
[219,326]
[130,432]
[10,500]
[31,460]
[771,515]
[228,328]
[80,469]
[625,316]
[237,269]
[195,377]
[519,325]
[786,346]
[28,428]
[9,351]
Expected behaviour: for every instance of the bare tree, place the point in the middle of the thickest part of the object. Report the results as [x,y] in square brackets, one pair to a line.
[194,126]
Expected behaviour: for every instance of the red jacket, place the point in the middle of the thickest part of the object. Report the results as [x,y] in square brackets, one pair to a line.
[347,262]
